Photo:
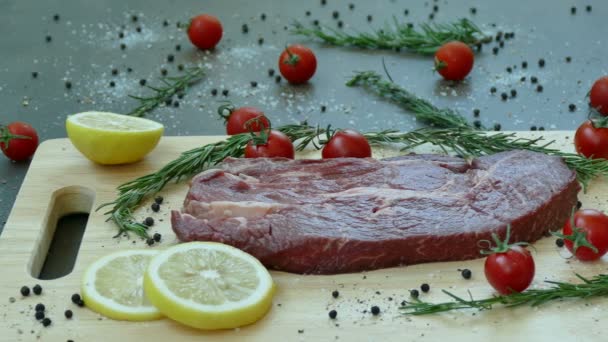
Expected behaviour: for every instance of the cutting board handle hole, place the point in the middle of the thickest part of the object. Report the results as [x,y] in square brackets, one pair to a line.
[64,226]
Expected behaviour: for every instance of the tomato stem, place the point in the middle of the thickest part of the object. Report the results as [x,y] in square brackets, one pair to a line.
[226,107]
[439,64]
[293,59]
[501,245]
[264,133]
[578,236]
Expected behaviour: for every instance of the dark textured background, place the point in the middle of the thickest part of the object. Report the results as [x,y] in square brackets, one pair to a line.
[85,48]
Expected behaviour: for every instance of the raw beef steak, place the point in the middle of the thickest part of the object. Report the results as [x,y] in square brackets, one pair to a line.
[346,215]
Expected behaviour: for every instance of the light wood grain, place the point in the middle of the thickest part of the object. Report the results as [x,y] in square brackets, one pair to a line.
[60,174]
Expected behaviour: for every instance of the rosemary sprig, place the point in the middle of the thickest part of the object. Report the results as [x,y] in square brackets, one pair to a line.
[423,110]
[462,141]
[170,87]
[400,36]
[594,287]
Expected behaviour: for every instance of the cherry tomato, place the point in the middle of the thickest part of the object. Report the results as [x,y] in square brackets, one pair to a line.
[454,60]
[598,96]
[297,64]
[347,143]
[590,141]
[592,227]
[236,123]
[205,31]
[510,271]
[277,145]
[18,141]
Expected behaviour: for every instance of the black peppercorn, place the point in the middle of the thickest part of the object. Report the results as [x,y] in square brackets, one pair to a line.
[157,237]
[435,8]
[513,92]
[509,70]
[80,303]
[121,35]
[150,242]
[323,2]
[495,50]
[406,12]
[573,10]
[138,29]
[263,16]
[159,199]
[213,92]
[134,17]
[254,84]
[180,67]
[333,314]
[522,79]
[163,72]
[539,88]
[46,322]
[335,14]
[541,128]
[466,273]
[168,102]
[155,207]
[149,221]
[270,72]
[369,17]
[340,23]
[351,6]
[477,124]
[559,242]
[375,310]
[579,204]
[493,90]
[165,23]
[68,314]
[39,315]
[129,69]
[335,294]
[323,108]
[142,82]
[114,71]
[533,79]
[39,307]
[524,64]
[175,104]
[473,10]
[260,41]
[533,128]
[504,96]
[277,79]
[75,298]
[245,28]
[48,39]
[56,16]
[476,112]
[34,74]
[588,8]
[308,13]
[568,59]
[541,62]
[170,58]
[501,44]
[225,92]
[497,127]
[414,293]
[178,47]
[432,16]
[572,107]
[425,287]
[315,22]
[68,84]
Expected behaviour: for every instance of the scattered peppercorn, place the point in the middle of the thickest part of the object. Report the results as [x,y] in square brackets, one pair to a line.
[39,307]
[168,102]
[323,108]
[270,72]
[335,14]
[573,10]
[34,74]
[369,17]
[477,124]
[315,22]
[134,17]
[121,35]
[138,29]
[335,294]
[170,58]
[68,84]
[263,16]
[466,273]
[501,44]
[46,322]
[541,128]
[260,40]
[225,92]
[524,64]
[579,204]
[150,242]
[504,96]
[180,67]
[75,298]
[323,2]
[476,112]
[56,16]
[375,310]
[513,92]
[473,10]
[351,6]
[539,88]
[495,50]
[213,92]
[123,46]
[333,314]
[159,199]
[155,207]
[340,23]
[493,90]
[308,13]
[509,70]
[165,23]
[39,315]
[68,314]
[432,16]
[533,128]
[497,127]
[588,8]
[533,79]
[245,28]
[129,69]
[80,303]
[277,79]
[523,79]
[149,221]
[48,38]
[414,293]
[157,237]
[572,107]
[541,62]
[559,243]
[142,82]
[175,104]
[180,96]
[425,287]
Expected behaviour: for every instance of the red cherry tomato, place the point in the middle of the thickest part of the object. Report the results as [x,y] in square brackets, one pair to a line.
[18,141]
[454,60]
[277,145]
[590,141]
[237,121]
[347,143]
[205,31]
[592,225]
[510,271]
[297,64]
[598,96]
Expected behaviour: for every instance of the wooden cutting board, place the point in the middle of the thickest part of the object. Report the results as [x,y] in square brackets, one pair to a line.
[61,181]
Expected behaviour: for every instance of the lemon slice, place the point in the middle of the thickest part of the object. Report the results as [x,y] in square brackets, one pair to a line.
[113,286]
[209,285]
[108,138]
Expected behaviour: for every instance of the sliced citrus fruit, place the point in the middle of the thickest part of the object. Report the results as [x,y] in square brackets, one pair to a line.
[108,138]
[209,285]
[113,286]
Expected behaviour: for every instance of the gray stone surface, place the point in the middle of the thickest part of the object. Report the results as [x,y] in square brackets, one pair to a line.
[85,47]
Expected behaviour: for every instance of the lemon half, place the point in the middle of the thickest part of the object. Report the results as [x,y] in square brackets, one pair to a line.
[113,286]
[108,138]
[209,285]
